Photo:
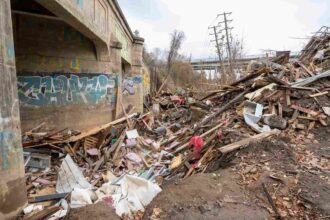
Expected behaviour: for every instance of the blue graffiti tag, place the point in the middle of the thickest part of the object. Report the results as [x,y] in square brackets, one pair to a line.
[66,90]
[80,3]
[10,51]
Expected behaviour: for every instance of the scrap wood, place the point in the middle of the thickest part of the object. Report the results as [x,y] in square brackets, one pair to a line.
[248,77]
[305,68]
[237,145]
[305,110]
[287,97]
[311,79]
[118,144]
[270,200]
[318,94]
[99,128]
[277,80]
[308,118]
[29,132]
[224,108]
[42,214]
[298,88]
[90,142]
[55,133]
[257,94]
[97,166]
[126,116]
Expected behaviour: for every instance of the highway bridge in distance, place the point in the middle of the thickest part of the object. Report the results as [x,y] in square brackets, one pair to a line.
[214,64]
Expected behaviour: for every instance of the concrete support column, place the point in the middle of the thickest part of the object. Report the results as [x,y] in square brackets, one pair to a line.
[115,52]
[137,51]
[12,182]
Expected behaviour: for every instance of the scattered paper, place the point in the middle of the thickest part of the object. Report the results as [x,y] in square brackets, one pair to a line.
[70,177]
[132,134]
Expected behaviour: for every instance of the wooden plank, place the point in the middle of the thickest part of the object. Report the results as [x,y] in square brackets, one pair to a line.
[305,68]
[97,166]
[223,109]
[277,80]
[42,214]
[237,145]
[248,77]
[287,97]
[119,143]
[280,110]
[305,110]
[99,128]
[318,94]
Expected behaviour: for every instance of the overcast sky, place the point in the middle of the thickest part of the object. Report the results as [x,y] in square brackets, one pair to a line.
[264,24]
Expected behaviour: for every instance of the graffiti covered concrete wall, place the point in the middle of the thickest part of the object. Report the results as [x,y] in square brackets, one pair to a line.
[131,85]
[132,92]
[76,101]
[71,89]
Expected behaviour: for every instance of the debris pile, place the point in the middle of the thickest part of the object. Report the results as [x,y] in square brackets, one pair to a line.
[317,52]
[124,163]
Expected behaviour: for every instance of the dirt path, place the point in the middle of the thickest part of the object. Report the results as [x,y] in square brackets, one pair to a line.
[206,196]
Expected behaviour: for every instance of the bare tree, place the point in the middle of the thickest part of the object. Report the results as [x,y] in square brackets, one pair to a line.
[237,48]
[177,38]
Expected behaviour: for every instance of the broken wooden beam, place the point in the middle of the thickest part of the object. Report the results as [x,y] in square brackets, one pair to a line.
[99,128]
[42,214]
[305,110]
[270,200]
[224,108]
[242,143]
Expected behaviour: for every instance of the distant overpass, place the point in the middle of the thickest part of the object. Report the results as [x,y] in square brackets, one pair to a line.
[214,64]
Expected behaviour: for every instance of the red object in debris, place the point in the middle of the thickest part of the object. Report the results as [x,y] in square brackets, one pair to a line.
[108,200]
[197,142]
[219,135]
[182,101]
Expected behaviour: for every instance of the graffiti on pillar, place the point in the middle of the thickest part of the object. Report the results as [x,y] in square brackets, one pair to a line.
[130,84]
[10,51]
[8,151]
[80,3]
[74,65]
[146,81]
[67,89]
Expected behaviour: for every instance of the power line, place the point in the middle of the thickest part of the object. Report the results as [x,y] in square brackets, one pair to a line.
[223,38]
[227,29]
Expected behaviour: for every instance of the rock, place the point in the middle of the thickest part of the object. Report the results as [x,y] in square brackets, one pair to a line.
[160,131]
[275,121]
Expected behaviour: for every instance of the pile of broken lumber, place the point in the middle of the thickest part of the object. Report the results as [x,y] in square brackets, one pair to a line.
[180,135]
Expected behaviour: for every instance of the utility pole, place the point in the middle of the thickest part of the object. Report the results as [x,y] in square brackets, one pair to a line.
[218,46]
[227,30]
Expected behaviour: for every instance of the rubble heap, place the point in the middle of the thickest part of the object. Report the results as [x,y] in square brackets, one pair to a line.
[124,163]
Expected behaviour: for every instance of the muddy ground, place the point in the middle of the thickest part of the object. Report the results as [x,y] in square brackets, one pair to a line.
[294,168]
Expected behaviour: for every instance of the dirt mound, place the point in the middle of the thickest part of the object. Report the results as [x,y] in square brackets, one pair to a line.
[205,196]
[99,211]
